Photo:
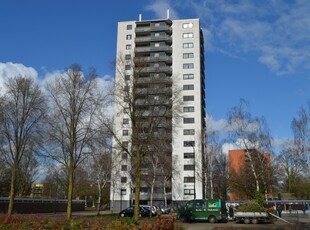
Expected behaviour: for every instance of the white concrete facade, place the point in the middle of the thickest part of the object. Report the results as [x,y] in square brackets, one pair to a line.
[187,129]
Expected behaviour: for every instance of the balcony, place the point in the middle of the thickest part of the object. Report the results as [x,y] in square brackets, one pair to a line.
[147,91]
[161,69]
[166,59]
[149,29]
[153,80]
[148,39]
[148,49]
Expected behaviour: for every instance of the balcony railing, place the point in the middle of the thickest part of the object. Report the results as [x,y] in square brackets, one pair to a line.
[148,39]
[166,59]
[147,49]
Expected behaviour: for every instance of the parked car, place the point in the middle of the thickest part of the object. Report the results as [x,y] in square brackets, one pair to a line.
[165,210]
[153,209]
[144,212]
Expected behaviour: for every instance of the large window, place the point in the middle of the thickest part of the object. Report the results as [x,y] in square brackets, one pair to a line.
[188,35]
[188,143]
[125,121]
[124,167]
[128,37]
[125,132]
[188,55]
[127,57]
[188,25]
[188,87]
[129,27]
[189,191]
[127,77]
[188,120]
[188,76]
[188,98]
[188,109]
[127,67]
[189,179]
[123,179]
[189,155]
[128,47]
[188,131]
[188,167]
[188,66]
[188,45]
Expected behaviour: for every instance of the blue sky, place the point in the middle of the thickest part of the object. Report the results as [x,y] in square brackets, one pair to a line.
[258,50]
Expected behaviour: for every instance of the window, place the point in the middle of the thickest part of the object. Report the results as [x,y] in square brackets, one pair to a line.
[157,44]
[126,110]
[123,179]
[126,99]
[128,47]
[188,76]
[188,55]
[188,45]
[125,121]
[127,67]
[125,144]
[188,143]
[124,167]
[125,132]
[188,87]
[188,25]
[189,179]
[156,54]
[129,27]
[188,109]
[127,77]
[127,57]
[157,24]
[189,191]
[189,120]
[156,34]
[128,37]
[186,167]
[188,66]
[189,155]
[188,98]
[124,156]
[189,132]
[188,35]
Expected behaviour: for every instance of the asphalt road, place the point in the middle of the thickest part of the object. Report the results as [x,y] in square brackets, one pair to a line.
[302,221]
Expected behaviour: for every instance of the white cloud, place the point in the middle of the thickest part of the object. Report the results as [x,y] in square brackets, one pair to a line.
[216,125]
[10,69]
[277,32]
[160,8]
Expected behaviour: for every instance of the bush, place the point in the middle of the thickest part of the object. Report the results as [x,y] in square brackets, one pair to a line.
[251,206]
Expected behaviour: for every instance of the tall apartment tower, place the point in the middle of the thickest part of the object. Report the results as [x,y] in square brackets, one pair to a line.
[160,93]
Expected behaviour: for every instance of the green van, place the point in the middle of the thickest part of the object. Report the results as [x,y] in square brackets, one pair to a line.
[211,210]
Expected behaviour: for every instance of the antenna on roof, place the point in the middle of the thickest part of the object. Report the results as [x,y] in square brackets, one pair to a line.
[168,13]
[140,17]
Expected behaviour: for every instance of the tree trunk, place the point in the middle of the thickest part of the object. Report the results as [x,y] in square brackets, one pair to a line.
[253,170]
[12,190]
[211,185]
[165,192]
[99,198]
[70,190]
[137,186]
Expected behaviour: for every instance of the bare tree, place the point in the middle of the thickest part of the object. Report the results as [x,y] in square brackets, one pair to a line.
[101,171]
[75,102]
[147,102]
[22,110]
[252,134]
[301,129]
